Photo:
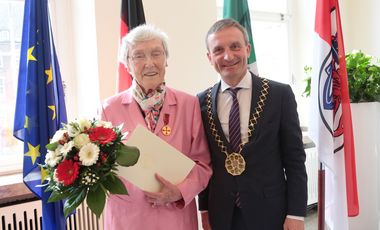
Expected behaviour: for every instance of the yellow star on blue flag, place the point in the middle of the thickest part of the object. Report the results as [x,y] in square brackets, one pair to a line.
[49,73]
[30,54]
[52,108]
[33,153]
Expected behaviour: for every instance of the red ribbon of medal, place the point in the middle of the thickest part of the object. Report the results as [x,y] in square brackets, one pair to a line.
[166,130]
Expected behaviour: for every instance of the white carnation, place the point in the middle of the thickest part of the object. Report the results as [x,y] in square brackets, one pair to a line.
[105,124]
[66,148]
[89,154]
[59,135]
[72,130]
[84,124]
[52,158]
[80,140]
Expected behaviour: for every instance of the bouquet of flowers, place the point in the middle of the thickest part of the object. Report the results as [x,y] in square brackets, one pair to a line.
[82,161]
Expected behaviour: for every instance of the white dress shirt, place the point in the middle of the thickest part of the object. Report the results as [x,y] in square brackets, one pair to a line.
[224,101]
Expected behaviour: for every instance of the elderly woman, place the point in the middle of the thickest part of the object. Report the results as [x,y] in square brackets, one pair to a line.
[151,103]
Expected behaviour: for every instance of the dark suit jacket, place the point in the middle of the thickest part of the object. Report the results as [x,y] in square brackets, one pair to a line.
[274,183]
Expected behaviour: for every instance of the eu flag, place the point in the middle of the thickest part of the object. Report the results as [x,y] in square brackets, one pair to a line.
[40,107]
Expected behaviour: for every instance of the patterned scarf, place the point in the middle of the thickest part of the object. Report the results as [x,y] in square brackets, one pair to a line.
[150,103]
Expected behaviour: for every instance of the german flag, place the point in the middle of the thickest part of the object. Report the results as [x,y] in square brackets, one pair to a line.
[132,15]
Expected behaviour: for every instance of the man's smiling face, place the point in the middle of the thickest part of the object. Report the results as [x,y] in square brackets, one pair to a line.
[229,53]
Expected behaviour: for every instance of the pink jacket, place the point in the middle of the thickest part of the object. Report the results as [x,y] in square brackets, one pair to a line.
[133,212]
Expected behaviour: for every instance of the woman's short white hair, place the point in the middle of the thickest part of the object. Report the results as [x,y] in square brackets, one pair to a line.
[138,34]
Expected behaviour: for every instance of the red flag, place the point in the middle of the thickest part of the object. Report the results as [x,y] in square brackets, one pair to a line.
[349,148]
[332,129]
[132,15]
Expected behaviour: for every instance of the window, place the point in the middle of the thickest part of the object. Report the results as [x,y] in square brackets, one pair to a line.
[269,21]
[11,16]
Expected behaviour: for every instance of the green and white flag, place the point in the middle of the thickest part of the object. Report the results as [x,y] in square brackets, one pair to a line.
[239,10]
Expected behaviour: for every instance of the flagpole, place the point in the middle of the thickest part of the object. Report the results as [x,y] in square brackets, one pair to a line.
[321,196]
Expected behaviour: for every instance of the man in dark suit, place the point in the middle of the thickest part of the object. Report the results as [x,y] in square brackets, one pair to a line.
[259,178]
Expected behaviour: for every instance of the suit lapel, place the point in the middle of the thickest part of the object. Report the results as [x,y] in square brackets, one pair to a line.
[214,109]
[256,89]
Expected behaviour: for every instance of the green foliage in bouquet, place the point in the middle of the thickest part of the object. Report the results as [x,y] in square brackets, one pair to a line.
[363,73]
[82,161]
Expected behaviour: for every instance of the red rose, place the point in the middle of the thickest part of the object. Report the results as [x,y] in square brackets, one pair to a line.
[102,135]
[67,171]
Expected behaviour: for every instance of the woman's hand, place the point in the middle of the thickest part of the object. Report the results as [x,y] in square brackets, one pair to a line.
[168,194]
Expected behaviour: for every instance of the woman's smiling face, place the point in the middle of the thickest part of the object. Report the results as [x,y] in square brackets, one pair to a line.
[147,63]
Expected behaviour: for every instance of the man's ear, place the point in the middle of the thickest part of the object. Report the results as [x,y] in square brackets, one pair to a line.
[209,57]
[249,49]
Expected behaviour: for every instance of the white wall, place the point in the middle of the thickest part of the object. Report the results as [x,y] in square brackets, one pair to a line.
[107,17]
[301,29]
[186,22]
[360,25]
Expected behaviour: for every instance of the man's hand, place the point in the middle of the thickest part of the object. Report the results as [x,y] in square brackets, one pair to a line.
[168,194]
[205,221]
[293,224]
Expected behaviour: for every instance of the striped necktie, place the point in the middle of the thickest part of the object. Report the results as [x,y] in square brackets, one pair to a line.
[234,121]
